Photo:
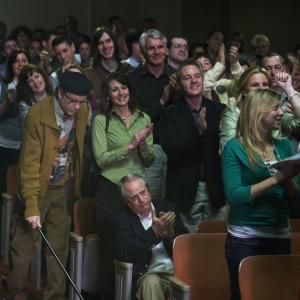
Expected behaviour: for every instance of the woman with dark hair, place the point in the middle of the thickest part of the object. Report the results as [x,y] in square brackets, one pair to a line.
[10,129]
[122,144]
[121,138]
[34,85]
[15,63]
[22,34]
[106,59]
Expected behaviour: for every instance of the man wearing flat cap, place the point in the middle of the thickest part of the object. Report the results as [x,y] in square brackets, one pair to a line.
[51,156]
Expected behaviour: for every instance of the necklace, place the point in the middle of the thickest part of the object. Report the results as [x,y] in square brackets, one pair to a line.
[268,155]
[268,161]
[271,155]
[125,117]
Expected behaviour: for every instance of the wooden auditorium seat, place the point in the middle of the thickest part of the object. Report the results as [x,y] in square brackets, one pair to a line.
[212,226]
[274,277]
[200,267]
[84,248]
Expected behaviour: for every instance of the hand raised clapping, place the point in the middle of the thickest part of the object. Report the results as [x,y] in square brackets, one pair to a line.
[233,54]
[140,137]
[164,225]
[284,81]
[202,120]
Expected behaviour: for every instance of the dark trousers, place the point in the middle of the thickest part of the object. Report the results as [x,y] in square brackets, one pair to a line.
[237,249]
[8,157]
[108,201]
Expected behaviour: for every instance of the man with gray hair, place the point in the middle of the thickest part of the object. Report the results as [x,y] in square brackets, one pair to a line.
[149,81]
[142,230]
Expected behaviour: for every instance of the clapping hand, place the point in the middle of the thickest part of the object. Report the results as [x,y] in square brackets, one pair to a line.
[140,137]
[284,81]
[11,96]
[173,80]
[164,225]
[233,54]
[287,171]
[202,120]
[45,62]
[221,54]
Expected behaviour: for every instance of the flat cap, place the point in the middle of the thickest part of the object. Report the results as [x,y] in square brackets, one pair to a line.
[75,83]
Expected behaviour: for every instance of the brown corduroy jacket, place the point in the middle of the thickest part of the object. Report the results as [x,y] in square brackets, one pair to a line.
[40,138]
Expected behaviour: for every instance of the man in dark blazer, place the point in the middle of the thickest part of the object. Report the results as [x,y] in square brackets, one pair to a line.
[189,134]
[142,233]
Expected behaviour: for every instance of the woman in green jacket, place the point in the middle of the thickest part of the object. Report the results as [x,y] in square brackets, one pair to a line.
[257,194]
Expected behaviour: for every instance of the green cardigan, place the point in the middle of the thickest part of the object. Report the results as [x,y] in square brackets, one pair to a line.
[270,209]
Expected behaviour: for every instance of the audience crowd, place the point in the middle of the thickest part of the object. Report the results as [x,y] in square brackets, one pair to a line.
[179,132]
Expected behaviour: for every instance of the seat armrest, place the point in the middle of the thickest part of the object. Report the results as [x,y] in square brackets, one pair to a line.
[5,226]
[120,265]
[123,280]
[180,290]
[92,236]
[75,237]
[91,264]
[75,262]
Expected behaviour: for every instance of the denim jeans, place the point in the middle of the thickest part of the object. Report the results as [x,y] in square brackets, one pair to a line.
[237,249]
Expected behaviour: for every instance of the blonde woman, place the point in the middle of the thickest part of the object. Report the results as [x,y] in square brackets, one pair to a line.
[257,194]
[251,79]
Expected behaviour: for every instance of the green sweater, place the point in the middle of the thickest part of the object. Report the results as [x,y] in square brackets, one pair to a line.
[270,209]
[109,147]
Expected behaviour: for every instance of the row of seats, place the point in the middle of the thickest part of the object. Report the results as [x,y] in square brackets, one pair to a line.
[200,265]
[204,250]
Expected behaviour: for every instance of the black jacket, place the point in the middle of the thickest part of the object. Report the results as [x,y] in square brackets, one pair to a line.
[132,243]
[192,157]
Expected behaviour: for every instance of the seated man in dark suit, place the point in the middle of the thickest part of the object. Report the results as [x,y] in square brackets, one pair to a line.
[142,233]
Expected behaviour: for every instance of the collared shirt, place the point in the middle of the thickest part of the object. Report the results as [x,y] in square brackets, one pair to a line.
[62,162]
[148,90]
[64,125]
[131,61]
[195,113]
[147,220]
[160,262]
[110,145]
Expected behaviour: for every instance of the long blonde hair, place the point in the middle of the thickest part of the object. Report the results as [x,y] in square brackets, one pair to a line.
[249,126]
[244,79]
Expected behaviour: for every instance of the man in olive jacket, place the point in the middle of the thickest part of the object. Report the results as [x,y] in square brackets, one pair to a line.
[51,157]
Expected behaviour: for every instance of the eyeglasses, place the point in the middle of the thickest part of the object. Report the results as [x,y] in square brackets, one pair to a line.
[75,101]
[177,46]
